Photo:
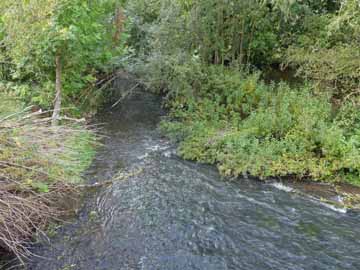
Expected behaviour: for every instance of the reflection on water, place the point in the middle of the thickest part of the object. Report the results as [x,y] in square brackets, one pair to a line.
[173,214]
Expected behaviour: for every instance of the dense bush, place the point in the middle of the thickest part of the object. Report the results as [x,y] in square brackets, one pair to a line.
[246,126]
[328,51]
[83,35]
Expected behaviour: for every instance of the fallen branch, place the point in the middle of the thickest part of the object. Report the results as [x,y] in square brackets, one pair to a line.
[125,95]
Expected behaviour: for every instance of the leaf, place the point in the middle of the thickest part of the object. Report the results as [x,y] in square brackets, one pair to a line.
[40,187]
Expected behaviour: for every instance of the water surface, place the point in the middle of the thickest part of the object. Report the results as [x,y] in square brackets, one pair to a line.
[168,214]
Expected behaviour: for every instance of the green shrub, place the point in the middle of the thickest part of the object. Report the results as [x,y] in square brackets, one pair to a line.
[245,126]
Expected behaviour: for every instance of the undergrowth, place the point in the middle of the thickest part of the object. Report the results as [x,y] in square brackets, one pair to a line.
[243,125]
[40,166]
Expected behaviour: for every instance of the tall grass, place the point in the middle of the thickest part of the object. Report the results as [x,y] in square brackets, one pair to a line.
[39,166]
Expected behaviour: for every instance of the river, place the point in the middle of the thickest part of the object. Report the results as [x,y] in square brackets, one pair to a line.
[164,213]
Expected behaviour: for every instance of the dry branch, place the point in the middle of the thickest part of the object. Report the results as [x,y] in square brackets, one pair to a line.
[29,146]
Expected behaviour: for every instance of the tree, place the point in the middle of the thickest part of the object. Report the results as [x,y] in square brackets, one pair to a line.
[235,33]
[60,44]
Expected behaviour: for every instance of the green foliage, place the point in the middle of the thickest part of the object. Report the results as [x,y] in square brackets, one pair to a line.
[336,70]
[38,156]
[328,50]
[80,32]
[202,55]
[76,161]
[230,33]
[193,51]
[245,126]
[40,164]
[221,32]
[9,104]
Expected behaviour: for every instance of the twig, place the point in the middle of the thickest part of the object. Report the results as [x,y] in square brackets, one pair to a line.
[124,96]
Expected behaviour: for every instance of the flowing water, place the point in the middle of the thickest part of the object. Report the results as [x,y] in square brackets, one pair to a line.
[164,213]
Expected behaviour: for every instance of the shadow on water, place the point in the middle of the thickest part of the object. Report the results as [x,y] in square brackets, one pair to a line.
[170,214]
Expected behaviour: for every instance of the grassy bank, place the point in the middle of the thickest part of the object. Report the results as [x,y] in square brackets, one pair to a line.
[242,125]
[40,166]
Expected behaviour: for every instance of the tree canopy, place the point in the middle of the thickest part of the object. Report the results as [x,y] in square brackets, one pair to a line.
[80,33]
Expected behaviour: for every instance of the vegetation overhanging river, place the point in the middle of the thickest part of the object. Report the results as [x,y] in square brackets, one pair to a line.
[170,214]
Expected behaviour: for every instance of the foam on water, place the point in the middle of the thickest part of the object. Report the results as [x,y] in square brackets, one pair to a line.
[282,187]
[170,214]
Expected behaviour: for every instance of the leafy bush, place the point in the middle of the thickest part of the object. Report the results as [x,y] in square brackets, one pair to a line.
[327,52]
[335,70]
[82,35]
[246,126]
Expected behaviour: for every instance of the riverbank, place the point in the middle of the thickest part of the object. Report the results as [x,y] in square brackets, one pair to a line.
[268,130]
[41,166]
[339,197]
[169,213]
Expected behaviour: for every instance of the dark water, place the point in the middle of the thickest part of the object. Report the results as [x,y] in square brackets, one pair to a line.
[169,214]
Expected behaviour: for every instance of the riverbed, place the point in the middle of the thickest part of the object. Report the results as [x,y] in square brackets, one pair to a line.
[164,213]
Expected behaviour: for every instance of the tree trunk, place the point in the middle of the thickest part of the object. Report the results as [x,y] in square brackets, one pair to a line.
[57,101]
[250,41]
[119,25]
[242,41]
[219,31]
